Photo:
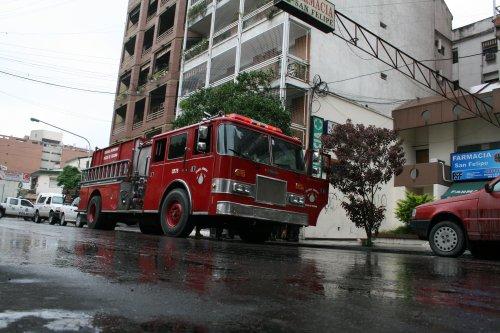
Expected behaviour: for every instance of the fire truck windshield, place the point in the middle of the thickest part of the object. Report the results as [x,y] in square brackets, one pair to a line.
[243,142]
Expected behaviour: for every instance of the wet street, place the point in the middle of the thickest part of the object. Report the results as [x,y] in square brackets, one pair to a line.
[65,279]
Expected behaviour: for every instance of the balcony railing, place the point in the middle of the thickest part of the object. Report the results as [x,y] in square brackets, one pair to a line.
[225,33]
[298,69]
[165,34]
[147,51]
[159,74]
[122,96]
[156,112]
[119,129]
[137,125]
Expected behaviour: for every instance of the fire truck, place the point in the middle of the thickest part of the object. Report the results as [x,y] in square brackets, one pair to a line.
[226,171]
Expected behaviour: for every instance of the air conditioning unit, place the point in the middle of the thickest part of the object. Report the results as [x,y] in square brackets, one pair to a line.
[491,57]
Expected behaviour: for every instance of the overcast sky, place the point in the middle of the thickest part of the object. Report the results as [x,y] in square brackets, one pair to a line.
[77,43]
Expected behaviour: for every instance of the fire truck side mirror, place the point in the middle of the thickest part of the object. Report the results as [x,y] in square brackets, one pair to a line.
[202,133]
[201,147]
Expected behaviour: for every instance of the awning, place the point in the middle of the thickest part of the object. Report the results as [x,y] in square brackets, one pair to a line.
[463,188]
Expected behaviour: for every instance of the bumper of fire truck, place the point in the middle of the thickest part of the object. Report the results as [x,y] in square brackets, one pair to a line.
[261,213]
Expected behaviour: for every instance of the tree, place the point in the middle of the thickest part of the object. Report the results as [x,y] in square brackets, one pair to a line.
[407,205]
[251,95]
[69,179]
[367,157]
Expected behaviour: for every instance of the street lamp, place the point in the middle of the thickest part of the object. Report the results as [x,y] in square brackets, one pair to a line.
[35,120]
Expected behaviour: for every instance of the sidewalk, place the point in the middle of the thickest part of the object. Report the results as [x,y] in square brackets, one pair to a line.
[384,245]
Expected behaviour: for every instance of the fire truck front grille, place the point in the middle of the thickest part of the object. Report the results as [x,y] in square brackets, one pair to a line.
[270,191]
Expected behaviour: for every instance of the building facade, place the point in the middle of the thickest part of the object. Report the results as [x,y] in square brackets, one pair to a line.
[475,52]
[149,70]
[42,150]
[432,130]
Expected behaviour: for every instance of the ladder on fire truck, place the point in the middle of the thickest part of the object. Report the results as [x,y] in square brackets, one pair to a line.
[355,34]
[119,170]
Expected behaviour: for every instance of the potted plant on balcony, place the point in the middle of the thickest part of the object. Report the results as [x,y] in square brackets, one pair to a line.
[196,10]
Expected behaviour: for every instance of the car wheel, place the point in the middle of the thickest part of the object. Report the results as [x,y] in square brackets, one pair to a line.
[174,214]
[95,218]
[2,214]
[52,218]
[80,221]
[254,234]
[27,218]
[447,239]
[62,220]
[37,218]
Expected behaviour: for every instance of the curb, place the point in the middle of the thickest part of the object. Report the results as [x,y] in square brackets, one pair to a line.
[354,248]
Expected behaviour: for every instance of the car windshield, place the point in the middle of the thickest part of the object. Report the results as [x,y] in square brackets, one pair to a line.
[57,200]
[287,155]
[243,142]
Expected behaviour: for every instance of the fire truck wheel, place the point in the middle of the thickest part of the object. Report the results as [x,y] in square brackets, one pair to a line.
[254,234]
[95,218]
[174,215]
[150,229]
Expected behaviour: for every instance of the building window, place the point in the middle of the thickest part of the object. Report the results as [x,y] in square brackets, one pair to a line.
[383,25]
[166,25]
[129,48]
[140,106]
[263,47]
[133,17]
[194,79]
[53,182]
[148,40]
[454,53]
[490,77]
[143,76]
[223,65]
[422,156]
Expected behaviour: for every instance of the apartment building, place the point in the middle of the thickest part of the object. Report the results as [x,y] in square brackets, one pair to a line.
[149,70]
[475,49]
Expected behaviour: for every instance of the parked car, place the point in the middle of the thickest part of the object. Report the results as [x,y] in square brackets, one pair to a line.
[48,207]
[18,207]
[468,221]
[69,213]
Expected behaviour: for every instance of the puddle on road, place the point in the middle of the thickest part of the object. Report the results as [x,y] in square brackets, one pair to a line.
[25,281]
[55,320]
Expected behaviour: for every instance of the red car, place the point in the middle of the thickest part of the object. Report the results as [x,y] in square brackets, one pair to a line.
[469,221]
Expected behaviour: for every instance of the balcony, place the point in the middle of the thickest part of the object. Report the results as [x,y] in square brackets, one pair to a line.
[137,125]
[424,174]
[196,49]
[198,10]
[119,128]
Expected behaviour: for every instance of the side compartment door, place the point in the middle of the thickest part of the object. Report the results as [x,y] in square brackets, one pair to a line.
[489,213]
[155,178]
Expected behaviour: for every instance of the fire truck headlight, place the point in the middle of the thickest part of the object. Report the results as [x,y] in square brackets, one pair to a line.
[296,200]
[241,188]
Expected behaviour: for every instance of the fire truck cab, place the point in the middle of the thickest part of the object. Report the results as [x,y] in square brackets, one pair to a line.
[226,171]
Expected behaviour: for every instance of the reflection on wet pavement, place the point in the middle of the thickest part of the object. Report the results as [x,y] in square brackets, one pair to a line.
[214,286]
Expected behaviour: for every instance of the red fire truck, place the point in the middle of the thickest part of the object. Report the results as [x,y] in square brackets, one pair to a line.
[227,171]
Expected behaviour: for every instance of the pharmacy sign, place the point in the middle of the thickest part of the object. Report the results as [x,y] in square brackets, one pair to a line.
[318,13]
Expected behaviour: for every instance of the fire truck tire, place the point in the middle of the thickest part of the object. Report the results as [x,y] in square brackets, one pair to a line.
[95,218]
[174,214]
[254,234]
[150,229]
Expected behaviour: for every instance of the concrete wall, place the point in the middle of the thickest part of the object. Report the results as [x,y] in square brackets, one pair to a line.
[468,40]
[333,222]
[8,188]
[45,185]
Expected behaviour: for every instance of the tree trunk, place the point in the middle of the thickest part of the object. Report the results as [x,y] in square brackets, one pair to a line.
[368,241]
